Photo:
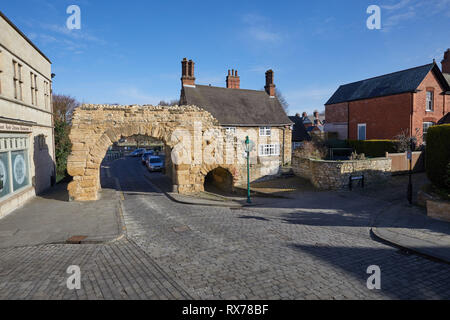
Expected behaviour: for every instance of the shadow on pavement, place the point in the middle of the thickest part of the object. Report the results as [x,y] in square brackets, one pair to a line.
[418,283]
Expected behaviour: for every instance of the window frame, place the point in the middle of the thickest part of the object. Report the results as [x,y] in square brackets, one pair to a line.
[17,79]
[230,130]
[360,125]
[431,101]
[269,149]
[265,131]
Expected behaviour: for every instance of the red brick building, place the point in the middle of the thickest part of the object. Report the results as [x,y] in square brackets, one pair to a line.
[380,108]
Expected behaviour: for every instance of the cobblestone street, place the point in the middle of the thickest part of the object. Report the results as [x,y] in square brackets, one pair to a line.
[316,247]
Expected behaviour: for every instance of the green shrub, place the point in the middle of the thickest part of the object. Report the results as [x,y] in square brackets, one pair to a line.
[63,147]
[335,143]
[447,177]
[373,148]
[438,154]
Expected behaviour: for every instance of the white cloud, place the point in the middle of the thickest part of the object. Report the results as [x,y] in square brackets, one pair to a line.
[259,28]
[74,34]
[396,6]
[133,95]
[405,10]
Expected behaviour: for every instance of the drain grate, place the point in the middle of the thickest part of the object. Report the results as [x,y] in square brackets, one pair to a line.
[75,239]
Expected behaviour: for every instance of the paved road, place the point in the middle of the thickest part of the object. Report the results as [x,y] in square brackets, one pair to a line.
[315,247]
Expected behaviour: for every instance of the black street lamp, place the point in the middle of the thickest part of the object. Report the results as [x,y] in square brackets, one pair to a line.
[410,188]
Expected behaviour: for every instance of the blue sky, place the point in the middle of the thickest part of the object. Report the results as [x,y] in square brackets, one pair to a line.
[129,52]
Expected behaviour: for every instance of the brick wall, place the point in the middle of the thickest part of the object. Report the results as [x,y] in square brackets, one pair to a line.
[336,119]
[385,117]
[420,114]
[336,113]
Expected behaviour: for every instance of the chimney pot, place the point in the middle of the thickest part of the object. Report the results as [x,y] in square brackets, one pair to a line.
[187,72]
[233,81]
[446,62]
[270,86]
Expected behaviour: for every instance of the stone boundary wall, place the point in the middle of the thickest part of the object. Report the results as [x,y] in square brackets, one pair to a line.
[439,210]
[335,175]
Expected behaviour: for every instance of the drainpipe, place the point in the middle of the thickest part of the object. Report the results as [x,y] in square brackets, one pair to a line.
[348,120]
[411,115]
[284,139]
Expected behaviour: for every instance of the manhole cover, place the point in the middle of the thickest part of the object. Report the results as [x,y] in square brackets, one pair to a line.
[75,239]
[181,229]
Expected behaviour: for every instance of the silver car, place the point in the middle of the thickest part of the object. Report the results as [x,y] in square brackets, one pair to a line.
[154,163]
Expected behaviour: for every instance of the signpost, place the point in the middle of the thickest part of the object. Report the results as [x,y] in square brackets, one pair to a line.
[249,145]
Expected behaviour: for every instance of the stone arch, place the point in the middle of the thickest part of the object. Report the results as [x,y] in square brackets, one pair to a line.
[207,168]
[220,178]
[96,127]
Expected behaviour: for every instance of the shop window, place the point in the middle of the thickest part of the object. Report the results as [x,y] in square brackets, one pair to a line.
[14,164]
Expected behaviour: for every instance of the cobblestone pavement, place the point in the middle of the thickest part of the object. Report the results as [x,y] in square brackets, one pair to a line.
[315,247]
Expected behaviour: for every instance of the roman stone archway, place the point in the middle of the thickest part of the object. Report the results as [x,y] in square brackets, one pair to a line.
[181,128]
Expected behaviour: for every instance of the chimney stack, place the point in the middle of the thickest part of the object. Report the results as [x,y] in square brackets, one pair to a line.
[446,62]
[233,80]
[270,87]
[187,72]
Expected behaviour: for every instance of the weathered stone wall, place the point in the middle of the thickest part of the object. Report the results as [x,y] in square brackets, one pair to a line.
[95,128]
[438,210]
[195,145]
[334,175]
[301,167]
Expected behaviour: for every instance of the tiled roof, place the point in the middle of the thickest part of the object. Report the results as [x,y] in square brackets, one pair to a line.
[236,107]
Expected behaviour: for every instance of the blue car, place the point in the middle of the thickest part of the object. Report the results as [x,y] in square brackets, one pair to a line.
[146,155]
[137,153]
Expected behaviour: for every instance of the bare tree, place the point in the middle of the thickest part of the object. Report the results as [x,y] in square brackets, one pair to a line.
[173,102]
[63,106]
[282,100]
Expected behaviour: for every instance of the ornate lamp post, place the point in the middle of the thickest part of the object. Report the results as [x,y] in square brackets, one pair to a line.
[248,148]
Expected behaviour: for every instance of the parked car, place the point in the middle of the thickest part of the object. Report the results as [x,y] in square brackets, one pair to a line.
[155,163]
[146,155]
[137,153]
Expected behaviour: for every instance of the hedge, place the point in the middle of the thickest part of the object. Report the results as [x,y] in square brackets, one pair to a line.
[373,148]
[438,154]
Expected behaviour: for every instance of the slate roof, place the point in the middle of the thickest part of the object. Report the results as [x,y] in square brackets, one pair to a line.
[299,132]
[386,85]
[445,119]
[236,107]
[447,77]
